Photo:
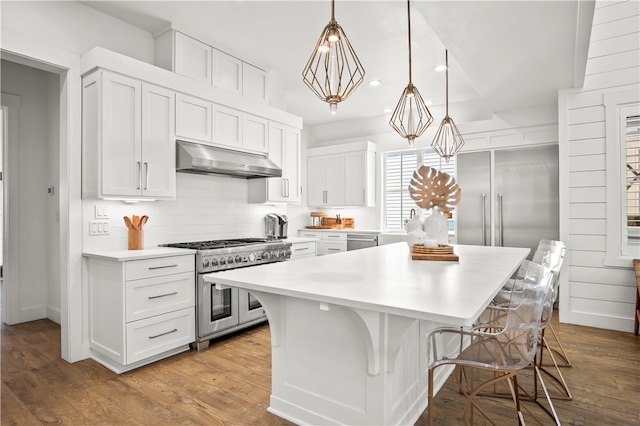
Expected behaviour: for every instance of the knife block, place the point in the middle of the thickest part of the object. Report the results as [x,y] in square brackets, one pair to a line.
[136,239]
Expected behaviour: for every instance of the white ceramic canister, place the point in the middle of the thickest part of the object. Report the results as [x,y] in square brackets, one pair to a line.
[437,226]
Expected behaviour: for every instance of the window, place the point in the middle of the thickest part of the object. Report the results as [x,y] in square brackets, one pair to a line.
[623,177]
[398,169]
[632,169]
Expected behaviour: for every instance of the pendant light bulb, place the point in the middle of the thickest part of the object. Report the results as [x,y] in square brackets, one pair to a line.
[333,71]
[411,117]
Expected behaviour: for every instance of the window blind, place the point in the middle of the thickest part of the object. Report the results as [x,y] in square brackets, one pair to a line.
[632,174]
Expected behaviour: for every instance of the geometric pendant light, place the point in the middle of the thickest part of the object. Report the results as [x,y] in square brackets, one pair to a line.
[333,71]
[411,116]
[447,141]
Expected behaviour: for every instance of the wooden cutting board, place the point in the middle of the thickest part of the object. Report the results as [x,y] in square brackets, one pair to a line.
[435,256]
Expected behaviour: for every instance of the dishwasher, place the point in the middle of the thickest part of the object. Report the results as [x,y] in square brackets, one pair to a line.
[360,241]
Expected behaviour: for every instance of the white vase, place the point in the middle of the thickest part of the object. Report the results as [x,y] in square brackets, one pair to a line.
[437,226]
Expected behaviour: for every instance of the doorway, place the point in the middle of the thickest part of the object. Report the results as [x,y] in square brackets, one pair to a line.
[30,172]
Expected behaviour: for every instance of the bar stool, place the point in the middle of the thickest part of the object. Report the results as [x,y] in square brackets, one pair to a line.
[504,351]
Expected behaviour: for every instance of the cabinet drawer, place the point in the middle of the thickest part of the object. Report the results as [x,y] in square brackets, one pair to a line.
[154,296]
[149,268]
[334,236]
[299,250]
[329,247]
[152,336]
[310,234]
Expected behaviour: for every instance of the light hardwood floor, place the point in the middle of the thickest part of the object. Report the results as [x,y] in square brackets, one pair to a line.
[229,383]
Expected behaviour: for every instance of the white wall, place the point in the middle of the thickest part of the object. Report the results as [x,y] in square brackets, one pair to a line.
[37,143]
[591,293]
[75,27]
[206,207]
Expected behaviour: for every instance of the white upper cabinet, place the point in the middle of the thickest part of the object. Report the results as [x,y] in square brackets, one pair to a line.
[341,175]
[193,118]
[254,83]
[227,72]
[199,61]
[227,126]
[158,142]
[284,151]
[184,55]
[128,138]
[255,133]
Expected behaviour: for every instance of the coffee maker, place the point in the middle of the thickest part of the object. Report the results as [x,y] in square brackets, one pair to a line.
[276,225]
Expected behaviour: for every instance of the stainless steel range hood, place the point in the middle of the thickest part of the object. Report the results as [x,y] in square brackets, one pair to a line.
[205,159]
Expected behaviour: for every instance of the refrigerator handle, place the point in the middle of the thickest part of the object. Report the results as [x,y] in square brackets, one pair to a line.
[500,224]
[484,223]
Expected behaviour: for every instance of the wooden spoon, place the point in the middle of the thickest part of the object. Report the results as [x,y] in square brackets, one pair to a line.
[127,222]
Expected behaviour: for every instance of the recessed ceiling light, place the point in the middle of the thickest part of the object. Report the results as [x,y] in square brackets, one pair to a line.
[375,83]
[387,110]
[440,67]
[428,102]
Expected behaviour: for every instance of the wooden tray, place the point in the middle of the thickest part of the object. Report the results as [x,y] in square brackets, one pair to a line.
[318,227]
[442,252]
[429,256]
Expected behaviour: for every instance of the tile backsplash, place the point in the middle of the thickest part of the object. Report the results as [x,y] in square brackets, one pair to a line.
[206,207]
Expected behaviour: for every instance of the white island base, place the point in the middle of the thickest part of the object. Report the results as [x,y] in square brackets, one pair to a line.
[348,330]
[338,365]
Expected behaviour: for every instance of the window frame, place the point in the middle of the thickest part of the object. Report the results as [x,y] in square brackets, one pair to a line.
[420,154]
[618,104]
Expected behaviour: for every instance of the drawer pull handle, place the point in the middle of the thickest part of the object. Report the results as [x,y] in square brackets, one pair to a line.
[162,267]
[163,334]
[163,295]
[301,248]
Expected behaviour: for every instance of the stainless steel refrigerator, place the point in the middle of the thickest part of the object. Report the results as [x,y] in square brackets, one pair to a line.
[509,197]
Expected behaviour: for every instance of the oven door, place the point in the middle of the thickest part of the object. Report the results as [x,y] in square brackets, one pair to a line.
[249,308]
[217,309]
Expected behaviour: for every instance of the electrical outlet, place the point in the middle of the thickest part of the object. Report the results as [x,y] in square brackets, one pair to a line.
[97,227]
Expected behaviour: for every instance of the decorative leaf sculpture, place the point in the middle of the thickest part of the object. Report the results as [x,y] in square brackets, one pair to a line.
[431,188]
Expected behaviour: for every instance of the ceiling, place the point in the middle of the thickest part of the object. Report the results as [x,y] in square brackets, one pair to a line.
[502,54]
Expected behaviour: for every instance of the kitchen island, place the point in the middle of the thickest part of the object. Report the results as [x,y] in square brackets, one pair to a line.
[347,330]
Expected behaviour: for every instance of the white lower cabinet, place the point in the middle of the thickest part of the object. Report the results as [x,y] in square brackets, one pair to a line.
[329,242]
[303,250]
[140,310]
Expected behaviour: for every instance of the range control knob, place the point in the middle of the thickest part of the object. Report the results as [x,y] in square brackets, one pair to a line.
[276,254]
[223,261]
[214,261]
[238,259]
[266,255]
[205,262]
[288,252]
[252,257]
[230,260]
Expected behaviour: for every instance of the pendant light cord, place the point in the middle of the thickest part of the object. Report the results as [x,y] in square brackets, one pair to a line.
[446,61]
[409,31]
[333,19]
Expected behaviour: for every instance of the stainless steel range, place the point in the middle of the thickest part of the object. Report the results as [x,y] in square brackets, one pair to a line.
[220,312]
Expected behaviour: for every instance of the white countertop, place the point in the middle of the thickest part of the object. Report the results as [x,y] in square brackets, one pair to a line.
[386,279]
[124,255]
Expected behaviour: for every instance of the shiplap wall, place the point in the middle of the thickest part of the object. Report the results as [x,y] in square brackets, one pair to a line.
[591,293]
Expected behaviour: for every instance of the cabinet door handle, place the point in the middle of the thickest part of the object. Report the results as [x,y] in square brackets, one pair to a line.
[484,224]
[146,175]
[500,223]
[162,267]
[287,188]
[163,295]
[139,174]
[364,199]
[163,334]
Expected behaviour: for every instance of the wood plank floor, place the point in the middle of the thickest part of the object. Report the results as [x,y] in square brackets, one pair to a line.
[229,383]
